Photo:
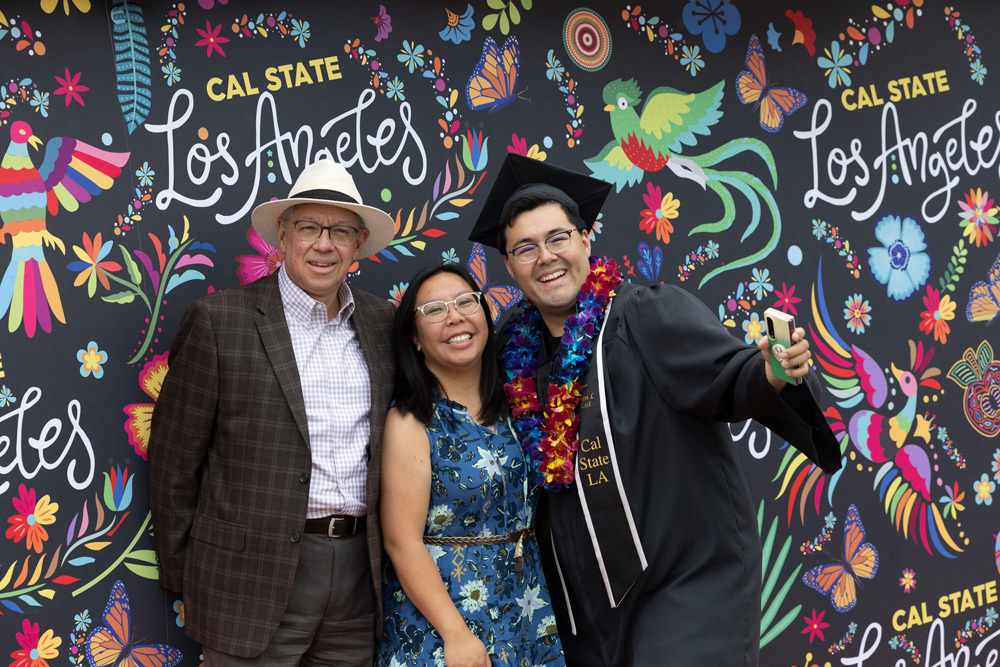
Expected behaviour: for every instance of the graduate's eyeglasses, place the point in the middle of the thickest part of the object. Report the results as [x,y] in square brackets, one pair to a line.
[466,304]
[310,232]
[528,253]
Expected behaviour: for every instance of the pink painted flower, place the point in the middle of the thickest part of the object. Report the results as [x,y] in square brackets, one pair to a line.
[31,518]
[659,212]
[71,87]
[908,581]
[140,414]
[383,22]
[815,626]
[211,39]
[36,648]
[264,263]
[786,299]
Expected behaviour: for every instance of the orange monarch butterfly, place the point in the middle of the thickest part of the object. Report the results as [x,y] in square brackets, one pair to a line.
[984,297]
[752,88]
[494,76]
[112,645]
[499,297]
[840,580]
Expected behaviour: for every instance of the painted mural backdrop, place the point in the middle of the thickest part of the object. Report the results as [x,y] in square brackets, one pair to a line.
[838,161]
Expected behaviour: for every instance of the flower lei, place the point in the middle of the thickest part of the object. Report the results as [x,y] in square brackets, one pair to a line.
[549,438]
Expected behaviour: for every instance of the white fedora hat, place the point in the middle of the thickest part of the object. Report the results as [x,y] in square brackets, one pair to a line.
[326,182]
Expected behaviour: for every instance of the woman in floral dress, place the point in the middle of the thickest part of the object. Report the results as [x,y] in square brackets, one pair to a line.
[465,586]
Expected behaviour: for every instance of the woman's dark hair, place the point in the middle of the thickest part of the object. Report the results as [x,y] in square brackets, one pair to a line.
[529,202]
[416,386]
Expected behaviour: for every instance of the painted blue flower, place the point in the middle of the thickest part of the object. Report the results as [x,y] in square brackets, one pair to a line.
[459,28]
[449,257]
[942,433]
[82,621]
[978,71]
[92,360]
[300,32]
[172,73]
[835,63]
[40,101]
[713,20]
[991,616]
[145,175]
[395,89]
[901,262]
[760,283]
[6,397]
[691,59]
[711,249]
[830,521]
[819,229]
[412,55]
[554,69]
[753,329]
[475,154]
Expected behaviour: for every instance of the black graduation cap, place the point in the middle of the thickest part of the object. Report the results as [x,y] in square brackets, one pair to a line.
[520,175]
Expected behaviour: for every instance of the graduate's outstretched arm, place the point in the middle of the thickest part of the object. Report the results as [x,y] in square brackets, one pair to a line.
[405,498]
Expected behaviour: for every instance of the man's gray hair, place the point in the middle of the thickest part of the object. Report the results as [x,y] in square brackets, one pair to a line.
[286,215]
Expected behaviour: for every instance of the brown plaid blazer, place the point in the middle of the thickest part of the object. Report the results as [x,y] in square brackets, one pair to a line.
[229,462]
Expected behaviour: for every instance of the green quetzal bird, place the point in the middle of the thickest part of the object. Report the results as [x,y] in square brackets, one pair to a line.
[654,139]
[71,172]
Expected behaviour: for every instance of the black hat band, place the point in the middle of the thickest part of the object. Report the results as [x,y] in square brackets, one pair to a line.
[329,195]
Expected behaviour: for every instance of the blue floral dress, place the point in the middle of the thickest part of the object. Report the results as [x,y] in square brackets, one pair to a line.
[478,487]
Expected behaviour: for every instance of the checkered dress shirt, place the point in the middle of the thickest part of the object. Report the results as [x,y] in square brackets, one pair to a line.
[337,395]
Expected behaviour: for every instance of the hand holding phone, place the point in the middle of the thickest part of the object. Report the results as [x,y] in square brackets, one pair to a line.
[779,327]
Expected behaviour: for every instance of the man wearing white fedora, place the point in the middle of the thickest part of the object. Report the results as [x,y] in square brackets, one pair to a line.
[265,443]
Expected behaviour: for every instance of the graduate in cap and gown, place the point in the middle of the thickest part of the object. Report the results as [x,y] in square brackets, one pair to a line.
[620,395]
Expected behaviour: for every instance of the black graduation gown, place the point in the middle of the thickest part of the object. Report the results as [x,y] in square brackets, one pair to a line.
[674,375]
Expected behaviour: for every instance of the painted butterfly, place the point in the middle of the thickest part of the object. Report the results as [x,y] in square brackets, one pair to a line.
[984,297]
[840,580]
[499,297]
[491,85]
[752,88]
[111,645]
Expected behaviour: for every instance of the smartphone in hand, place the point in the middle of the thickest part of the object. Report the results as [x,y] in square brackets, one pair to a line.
[779,326]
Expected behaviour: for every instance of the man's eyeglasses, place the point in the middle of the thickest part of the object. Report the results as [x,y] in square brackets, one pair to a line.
[310,232]
[528,253]
[466,304]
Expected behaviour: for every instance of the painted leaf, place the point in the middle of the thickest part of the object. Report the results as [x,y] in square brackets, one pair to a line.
[131,62]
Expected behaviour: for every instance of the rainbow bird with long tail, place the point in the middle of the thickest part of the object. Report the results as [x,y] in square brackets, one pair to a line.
[71,173]
[654,139]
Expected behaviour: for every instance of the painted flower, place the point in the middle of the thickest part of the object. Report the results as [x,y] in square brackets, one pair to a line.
[40,101]
[6,396]
[383,24]
[92,360]
[596,229]
[397,292]
[815,626]
[519,146]
[71,88]
[760,283]
[754,329]
[659,212]
[449,257]
[300,32]
[991,616]
[978,71]
[691,59]
[82,621]
[411,55]
[139,414]
[835,63]
[830,520]
[554,69]
[984,490]
[531,601]
[36,648]
[712,251]
[952,501]
[211,40]
[942,434]
[979,217]
[145,175]
[92,266]
[264,263]
[819,229]
[908,581]
[459,28]
[439,517]
[995,463]
[474,151]
[118,489]
[940,311]
[894,642]
[179,610]
[31,518]
[172,73]
[901,262]
[395,89]
[473,595]
[786,299]
[858,313]
[713,20]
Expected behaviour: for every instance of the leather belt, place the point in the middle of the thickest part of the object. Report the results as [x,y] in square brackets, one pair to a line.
[337,525]
[517,537]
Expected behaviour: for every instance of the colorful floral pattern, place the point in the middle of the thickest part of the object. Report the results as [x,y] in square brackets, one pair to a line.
[660,210]
[31,518]
[940,311]
[901,263]
[979,217]
[36,648]
[140,414]
[858,313]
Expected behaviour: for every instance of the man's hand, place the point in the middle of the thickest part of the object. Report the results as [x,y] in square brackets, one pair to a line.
[794,359]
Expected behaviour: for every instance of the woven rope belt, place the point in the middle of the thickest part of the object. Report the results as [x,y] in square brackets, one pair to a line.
[517,536]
